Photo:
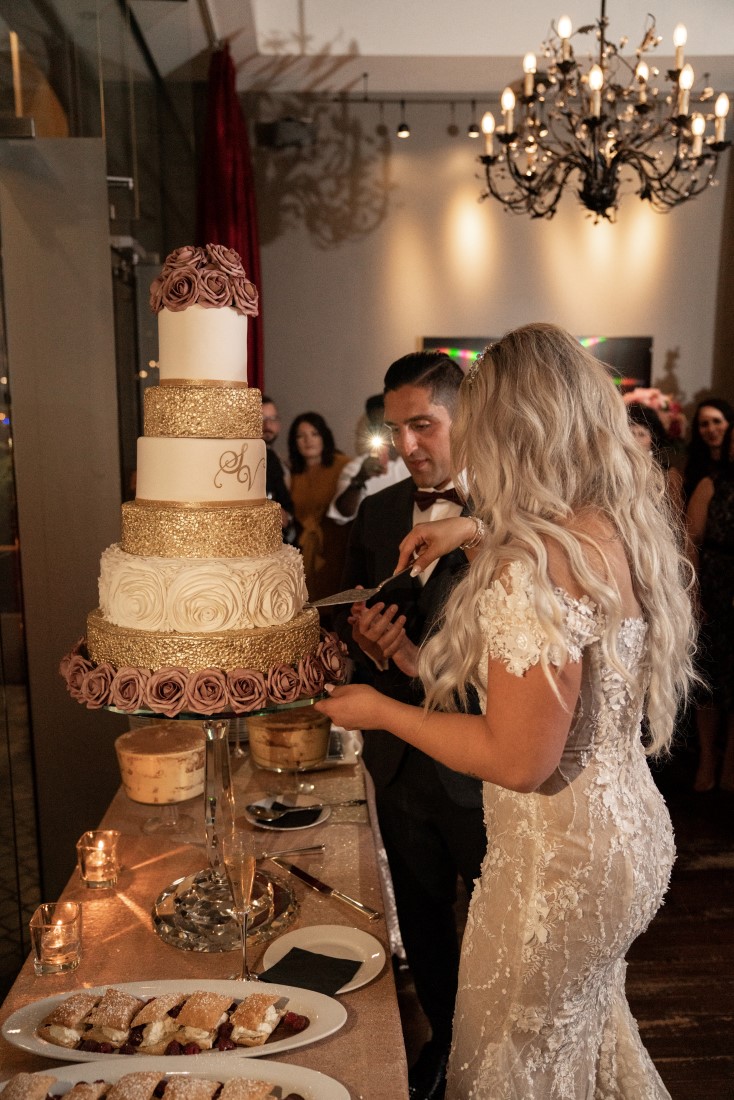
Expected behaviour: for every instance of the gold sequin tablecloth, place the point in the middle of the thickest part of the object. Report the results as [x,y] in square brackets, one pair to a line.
[119,944]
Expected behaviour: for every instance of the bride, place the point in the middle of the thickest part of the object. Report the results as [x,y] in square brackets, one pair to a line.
[574,623]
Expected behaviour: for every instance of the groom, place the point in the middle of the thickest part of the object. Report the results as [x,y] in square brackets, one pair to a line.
[430,817]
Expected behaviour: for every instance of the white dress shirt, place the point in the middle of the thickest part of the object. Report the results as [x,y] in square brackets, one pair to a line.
[440,509]
[395,471]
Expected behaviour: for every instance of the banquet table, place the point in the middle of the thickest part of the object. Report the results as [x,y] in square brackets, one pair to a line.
[120,945]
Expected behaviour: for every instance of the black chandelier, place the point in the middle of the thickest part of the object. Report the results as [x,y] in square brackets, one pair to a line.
[601,128]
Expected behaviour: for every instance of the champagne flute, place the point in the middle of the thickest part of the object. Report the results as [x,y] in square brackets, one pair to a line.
[238,856]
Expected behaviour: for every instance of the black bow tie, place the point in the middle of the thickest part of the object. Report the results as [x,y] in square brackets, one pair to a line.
[424,499]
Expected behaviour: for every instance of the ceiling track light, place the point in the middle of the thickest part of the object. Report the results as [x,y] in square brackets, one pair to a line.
[472,130]
[403,130]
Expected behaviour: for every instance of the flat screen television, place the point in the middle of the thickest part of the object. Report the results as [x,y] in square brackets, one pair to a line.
[628,358]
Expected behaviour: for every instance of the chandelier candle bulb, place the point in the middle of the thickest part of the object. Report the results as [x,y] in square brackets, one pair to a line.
[721,110]
[596,82]
[685,83]
[642,73]
[529,66]
[507,103]
[564,33]
[698,126]
[680,37]
[488,125]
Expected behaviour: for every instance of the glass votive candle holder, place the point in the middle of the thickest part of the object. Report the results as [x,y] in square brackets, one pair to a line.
[56,937]
[96,853]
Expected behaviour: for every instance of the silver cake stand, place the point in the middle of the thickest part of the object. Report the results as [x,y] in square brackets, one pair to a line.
[195,912]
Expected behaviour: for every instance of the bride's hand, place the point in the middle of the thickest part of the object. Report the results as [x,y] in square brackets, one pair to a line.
[429,541]
[354,707]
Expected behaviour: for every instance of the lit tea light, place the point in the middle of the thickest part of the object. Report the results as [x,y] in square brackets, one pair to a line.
[97,858]
[55,929]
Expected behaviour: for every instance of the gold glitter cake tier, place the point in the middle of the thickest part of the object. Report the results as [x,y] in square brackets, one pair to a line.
[203,412]
[257,649]
[165,530]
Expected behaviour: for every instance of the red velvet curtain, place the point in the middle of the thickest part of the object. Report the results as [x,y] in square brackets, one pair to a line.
[226,211]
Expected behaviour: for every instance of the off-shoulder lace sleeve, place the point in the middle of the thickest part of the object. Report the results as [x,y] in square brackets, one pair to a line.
[510,624]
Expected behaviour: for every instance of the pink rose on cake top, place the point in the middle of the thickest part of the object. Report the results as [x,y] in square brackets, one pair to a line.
[201,605]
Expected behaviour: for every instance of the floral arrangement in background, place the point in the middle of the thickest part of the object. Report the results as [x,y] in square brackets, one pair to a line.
[666,405]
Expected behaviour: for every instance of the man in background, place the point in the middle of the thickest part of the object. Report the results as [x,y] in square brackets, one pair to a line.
[430,817]
[276,483]
[376,466]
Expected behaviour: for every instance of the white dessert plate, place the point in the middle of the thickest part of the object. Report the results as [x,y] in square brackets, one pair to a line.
[325,1014]
[309,1083]
[338,940]
[302,801]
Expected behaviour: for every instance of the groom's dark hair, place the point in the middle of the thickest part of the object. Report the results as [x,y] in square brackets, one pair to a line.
[431,370]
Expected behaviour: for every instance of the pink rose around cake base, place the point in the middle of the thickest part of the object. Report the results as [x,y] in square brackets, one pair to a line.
[209,692]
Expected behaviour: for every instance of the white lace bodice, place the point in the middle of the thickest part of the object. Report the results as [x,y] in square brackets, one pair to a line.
[573,873]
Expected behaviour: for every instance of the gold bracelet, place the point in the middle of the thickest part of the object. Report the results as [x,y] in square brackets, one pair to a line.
[478,535]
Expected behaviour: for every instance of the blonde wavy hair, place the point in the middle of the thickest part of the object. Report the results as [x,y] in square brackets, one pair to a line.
[542,435]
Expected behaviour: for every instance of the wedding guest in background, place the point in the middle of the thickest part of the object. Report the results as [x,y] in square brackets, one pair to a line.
[376,466]
[276,484]
[712,417]
[711,531]
[430,817]
[315,465]
[574,622]
[648,430]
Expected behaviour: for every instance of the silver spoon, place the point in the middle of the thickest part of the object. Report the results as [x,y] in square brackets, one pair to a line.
[273,813]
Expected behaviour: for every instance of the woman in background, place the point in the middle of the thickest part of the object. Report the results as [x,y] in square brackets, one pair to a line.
[315,467]
[710,421]
[711,531]
[573,621]
[648,430]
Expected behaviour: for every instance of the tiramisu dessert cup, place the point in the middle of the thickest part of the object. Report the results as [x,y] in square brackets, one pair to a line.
[162,764]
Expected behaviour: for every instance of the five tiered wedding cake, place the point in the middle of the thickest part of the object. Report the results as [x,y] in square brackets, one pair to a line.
[201,604]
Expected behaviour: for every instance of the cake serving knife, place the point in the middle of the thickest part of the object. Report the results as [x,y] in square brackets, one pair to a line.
[322,888]
[356,595]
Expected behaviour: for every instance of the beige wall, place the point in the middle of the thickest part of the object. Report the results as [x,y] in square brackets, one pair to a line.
[439,262]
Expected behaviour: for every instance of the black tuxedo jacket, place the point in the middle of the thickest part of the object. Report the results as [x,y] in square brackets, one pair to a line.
[382,522]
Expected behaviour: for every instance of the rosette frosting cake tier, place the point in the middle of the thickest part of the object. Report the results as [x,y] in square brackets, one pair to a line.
[201,605]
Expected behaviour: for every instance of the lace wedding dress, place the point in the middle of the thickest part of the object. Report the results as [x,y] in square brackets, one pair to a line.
[573,874]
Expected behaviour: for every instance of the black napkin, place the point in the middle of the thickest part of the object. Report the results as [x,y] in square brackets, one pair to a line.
[310,970]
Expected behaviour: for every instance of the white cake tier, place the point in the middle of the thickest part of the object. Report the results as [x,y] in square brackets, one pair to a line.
[208,595]
[195,471]
[207,345]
